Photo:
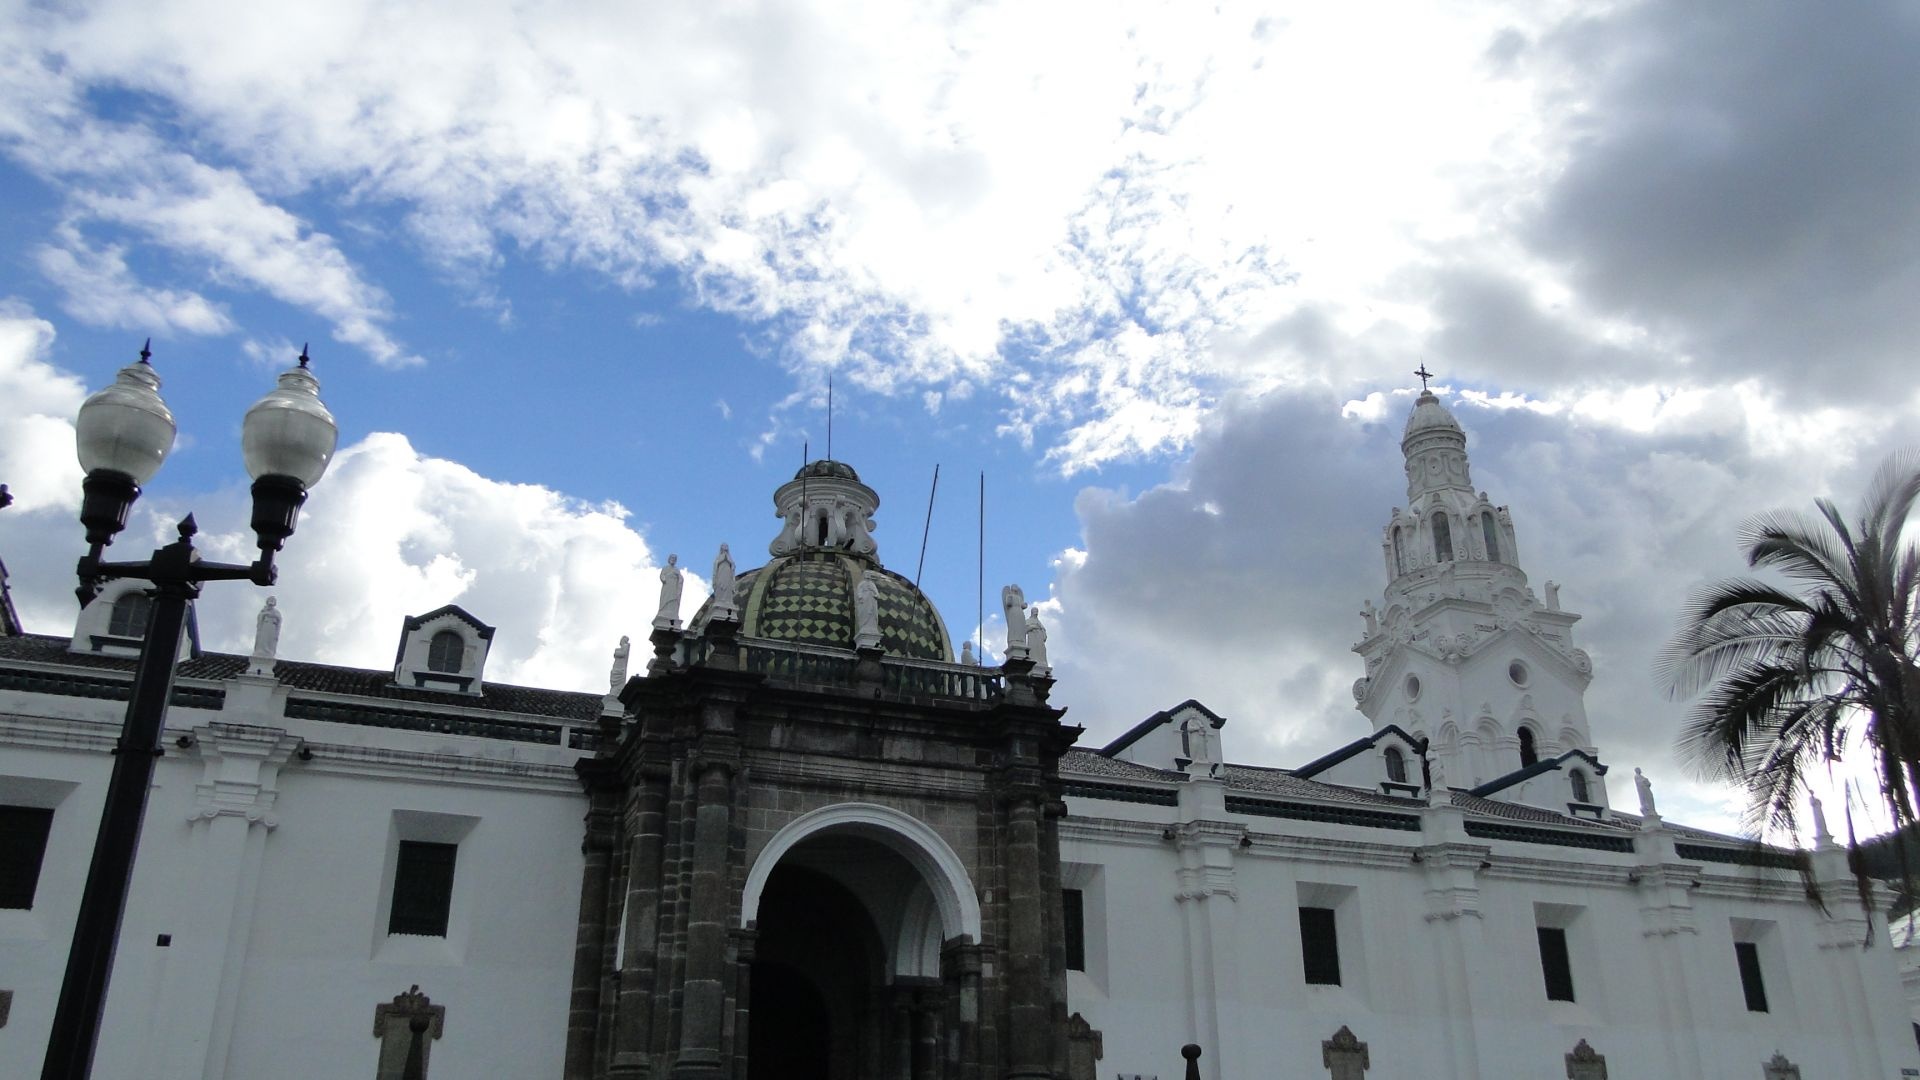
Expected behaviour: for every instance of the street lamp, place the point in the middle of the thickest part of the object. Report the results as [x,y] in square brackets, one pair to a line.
[123,434]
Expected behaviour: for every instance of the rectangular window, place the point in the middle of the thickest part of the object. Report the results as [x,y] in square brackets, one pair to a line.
[23,845]
[1751,983]
[1554,963]
[1073,923]
[422,888]
[1319,947]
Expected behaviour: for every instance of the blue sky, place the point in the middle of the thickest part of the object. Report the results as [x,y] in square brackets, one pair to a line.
[575,280]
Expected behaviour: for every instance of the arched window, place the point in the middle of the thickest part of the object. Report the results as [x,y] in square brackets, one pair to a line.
[1487,528]
[130,613]
[1396,765]
[1580,792]
[1399,552]
[1528,754]
[1442,539]
[446,651]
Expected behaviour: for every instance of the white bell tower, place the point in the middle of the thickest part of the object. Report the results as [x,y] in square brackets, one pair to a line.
[1462,652]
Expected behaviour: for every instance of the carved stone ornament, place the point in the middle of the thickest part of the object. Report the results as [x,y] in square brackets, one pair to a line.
[1345,1056]
[406,1028]
[1780,1068]
[1360,688]
[1585,1063]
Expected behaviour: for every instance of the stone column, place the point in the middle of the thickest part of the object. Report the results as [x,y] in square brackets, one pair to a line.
[1028,997]
[704,998]
[641,919]
[926,1033]
[590,941]
[960,962]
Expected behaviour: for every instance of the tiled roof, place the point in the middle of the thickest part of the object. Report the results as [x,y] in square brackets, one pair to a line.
[323,678]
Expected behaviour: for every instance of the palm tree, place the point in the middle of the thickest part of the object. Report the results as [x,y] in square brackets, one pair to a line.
[1791,679]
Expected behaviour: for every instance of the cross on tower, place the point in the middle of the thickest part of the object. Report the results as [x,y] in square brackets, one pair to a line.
[1424,375]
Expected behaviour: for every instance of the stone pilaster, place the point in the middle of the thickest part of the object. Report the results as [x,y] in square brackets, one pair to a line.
[703,1004]
[1451,864]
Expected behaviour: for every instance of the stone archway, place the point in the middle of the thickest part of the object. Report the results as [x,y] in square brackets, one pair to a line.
[854,908]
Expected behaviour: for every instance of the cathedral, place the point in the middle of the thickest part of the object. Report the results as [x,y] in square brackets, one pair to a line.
[798,837]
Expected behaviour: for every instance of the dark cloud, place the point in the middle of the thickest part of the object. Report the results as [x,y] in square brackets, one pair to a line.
[1741,178]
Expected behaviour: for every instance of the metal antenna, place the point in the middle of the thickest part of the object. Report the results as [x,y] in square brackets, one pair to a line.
[980,575]
[926,529]
[806,459]
[829,416]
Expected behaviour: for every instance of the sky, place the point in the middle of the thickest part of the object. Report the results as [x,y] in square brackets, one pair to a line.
[1154,277]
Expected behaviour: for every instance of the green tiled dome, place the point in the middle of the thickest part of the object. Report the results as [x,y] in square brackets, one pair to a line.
[807,599]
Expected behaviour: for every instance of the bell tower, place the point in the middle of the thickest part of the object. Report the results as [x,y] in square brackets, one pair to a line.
[1461,651]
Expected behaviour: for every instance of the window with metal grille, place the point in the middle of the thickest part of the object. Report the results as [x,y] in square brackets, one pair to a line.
[1073,924]
[1442,539]
[1493,541]
[446,651]
[1752,984]
[1554,964]
[129,618]
[23,846]
[1580,792]
[1319,947]
[1396,765]
[422,888]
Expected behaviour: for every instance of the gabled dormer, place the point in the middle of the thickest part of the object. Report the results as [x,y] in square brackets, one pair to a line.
[1389,761]
[114,623]
[1185,737]
[445,649]
[1571,783]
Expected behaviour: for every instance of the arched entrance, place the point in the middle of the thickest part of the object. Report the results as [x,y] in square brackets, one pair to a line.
[853,976]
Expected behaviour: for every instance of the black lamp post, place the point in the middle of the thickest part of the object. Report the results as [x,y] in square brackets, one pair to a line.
[123,433]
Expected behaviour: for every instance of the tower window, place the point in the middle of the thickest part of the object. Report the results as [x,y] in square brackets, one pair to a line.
[1487,528]
[1396,765]
[129,618]
[23,846]
[1319,946]
[422,888]
[1399,553]
[1073,925]
[1442,539]
[1751,983]
[1555,965]
[1529,754]
[446,651]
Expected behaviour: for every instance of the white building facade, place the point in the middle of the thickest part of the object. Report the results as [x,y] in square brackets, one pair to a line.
[342,867]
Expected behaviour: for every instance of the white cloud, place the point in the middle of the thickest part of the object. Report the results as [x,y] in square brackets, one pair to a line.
[101,290]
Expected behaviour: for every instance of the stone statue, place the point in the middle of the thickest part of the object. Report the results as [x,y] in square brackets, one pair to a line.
[1645,787]
[1037,640]
[789,538]
[1196,737]
[966,653]
[1372,617]
[723,583]
[1437,777]
[617,678]
[859,532]
[1013,603]
[866,613]
[1820,833]
[1553,596]
[266,637]
[668,617]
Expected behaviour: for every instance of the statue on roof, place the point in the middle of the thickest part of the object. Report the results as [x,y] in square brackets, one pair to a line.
[1372,617]
[617,677]
[723,584]
[1197,739]
[866,613]
[1013,603]
[966,653]
[1645,787]
[668,617]
[266,638]
[1037,640]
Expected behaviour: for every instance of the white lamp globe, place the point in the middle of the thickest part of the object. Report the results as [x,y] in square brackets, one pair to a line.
[125,427]
[289,432]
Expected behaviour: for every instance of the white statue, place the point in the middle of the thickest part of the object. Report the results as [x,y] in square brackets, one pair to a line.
[1037,640]
[723,583]
[266,637]
[1372,617]
[1196,738]
[1821,836]
[1645,787]
[1553,596]
[1014,603]
[617,678]
[966,653]
[1436,776]
[866,613]
[668,617]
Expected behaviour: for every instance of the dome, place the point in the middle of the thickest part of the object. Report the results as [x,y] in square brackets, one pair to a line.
[1430,415]
[826,468]
[807,599]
